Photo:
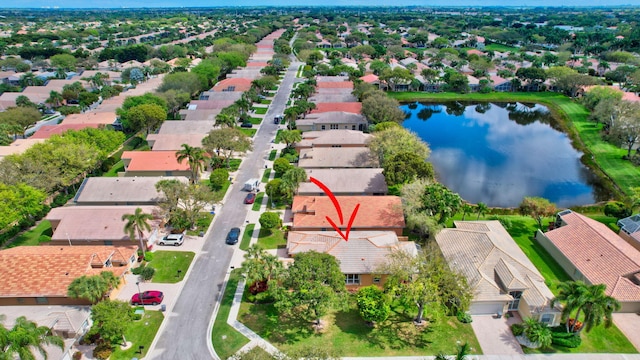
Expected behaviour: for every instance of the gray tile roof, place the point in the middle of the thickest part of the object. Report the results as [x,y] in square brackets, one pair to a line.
[346,181]
[121,190]
[355,157]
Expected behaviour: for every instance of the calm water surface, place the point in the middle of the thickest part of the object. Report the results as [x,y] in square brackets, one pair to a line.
[499,153]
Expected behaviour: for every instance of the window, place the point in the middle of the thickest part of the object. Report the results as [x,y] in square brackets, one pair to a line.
[42,301]
[323,127]
[334,126]
[376,280]
[352,279]
[108,243]
[515,303]
[336,146]
[547,318]
[353,127]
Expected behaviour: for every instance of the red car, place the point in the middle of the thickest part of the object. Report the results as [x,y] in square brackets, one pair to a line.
[151,297]
[251,197]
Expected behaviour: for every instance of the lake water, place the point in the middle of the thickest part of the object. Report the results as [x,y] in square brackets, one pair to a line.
[499,153]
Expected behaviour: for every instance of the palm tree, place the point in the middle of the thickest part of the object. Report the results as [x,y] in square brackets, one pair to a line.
[598,307]
[260,266]
[196,158]
[290,137]
[572,296]
[91,288]
[537,332]
[226,119]
[466,209]
[55,99]
[481,209]
[24,337]
[137,223]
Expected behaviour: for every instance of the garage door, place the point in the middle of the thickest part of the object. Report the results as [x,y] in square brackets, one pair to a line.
[485,308]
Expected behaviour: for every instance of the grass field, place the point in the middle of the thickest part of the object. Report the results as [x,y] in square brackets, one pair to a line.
[167,264]
[248,132]
[260,110]
[618,175]
[226,340]
[271,239]
[139,333]
[346,334]
[32,237]
[500,48]
[255,120]
[246,236]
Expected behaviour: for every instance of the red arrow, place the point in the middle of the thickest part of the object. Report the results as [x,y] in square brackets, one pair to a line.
[336,204]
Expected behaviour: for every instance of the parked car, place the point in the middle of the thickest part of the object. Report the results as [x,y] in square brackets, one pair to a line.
[150,297]
[233,236]
[250,198]
[246,125]
[172,239]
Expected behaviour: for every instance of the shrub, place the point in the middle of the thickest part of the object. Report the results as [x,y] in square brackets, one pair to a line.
[77,355]
[218,178]
[137,270]
[281,165]
[270,220]
[102,351]
[44,238]
[517,329]
[148,256]
[147,273]
[560,337]
[617,210]
[464,317]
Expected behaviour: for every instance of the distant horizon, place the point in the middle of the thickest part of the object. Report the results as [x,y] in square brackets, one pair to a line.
[168,4]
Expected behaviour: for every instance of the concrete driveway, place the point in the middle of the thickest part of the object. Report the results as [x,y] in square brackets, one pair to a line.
[629,324]
[494,335]
[171,291]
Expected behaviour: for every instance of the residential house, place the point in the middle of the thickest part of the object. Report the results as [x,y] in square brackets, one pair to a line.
[233,84]
[159,142]
[102,118]
[121,190]
[345,182]
[97,225]
[375,213]
[18,146]
[154,163]
[499,273]
[45,272]
[332,120]
[630,230]
[46,131]
[348,157]
[589,251]
[333,139]
[186,127]
[361,258]
[350,107]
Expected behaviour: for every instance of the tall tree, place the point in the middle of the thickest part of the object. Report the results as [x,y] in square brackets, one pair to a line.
[24,337]
[439,200]
[112,318]
[225,142]
[196,158]
[571,296]
[598,307]
[290,137]
[625,127]
[20,117]
[481,209]
[395,140]
[93,288]
[380,108]
[538,208]
[260,267]
[137,224]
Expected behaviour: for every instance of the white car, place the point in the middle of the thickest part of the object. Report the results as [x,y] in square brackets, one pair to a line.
[172,239]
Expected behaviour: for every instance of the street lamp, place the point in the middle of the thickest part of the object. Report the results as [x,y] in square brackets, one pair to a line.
[179,272]
[139,293]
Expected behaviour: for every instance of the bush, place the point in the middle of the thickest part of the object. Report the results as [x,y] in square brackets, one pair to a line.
[561,337]
[218,178]
[148,256]
[102,351]
[147,273]
[617,210]
[77,355]
[44,238]
[464,317]
[517,329]
[137,270]
[270,220]
[281,165]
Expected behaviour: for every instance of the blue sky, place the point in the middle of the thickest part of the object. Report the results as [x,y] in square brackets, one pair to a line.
[205,3]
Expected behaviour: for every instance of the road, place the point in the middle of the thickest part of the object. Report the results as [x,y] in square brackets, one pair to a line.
[185,334]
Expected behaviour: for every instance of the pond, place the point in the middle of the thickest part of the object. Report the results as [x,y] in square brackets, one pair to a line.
[498,153]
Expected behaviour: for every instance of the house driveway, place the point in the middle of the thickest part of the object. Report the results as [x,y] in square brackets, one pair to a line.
[171,291]
[629,324]
[494,335]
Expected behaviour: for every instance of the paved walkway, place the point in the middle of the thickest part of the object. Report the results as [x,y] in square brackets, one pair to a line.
[494,335]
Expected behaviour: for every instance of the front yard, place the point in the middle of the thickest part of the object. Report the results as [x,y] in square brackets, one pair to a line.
[167,264]
[271,239]
[139,333]
[346,334]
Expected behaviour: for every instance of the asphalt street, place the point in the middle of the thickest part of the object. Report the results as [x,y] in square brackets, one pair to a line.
[184,336]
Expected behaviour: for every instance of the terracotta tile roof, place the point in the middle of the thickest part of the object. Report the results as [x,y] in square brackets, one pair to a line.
[364,253]
[335,84]
[19,146]
[46,131]
[492,262]
[153,161]
[174,142]
[350,107]
[599,254]
[257,63]
[48,270]
[106,118]
[238,84]
[210,104]
[379,212]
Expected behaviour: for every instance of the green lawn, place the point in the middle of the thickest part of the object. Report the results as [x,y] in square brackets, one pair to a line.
[202,224]
[273,154]
[255,120]
[346,334]
[167,264]
[259,110]
[265,102]
[271,239]
[225,339]
[218,195]
[500,48]
[234,164]
[258,202]
[265,176]
[32,236]
[246,236]
[140,333]
[277,139]
[248,132]
[115,169]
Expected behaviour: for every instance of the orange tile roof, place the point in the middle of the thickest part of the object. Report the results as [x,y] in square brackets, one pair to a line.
[257,64]
[335,85]
[351,107]
[370,78]
[599,254]
[30,271]
[154,161]
[379,212]
[239,84]
[106,118]
[46,131]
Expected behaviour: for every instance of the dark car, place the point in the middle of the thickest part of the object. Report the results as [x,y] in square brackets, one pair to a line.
[246,125]
[250,198]
[233,236]
[150,297]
